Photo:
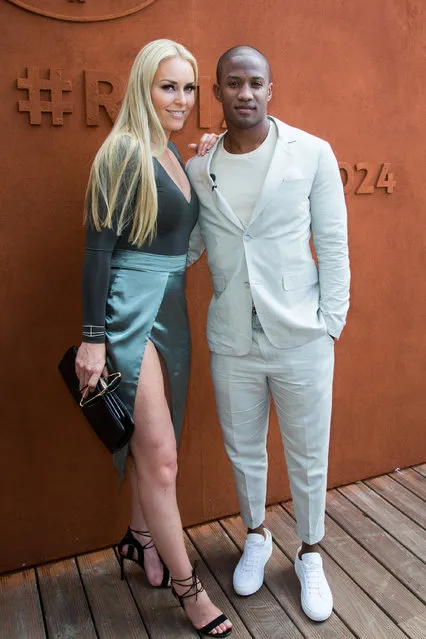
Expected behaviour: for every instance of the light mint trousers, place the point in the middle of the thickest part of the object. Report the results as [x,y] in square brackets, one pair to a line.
[300,382]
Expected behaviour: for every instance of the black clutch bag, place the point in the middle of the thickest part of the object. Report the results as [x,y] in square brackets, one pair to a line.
[103,409]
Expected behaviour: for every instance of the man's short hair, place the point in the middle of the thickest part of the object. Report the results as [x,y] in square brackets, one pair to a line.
[241,48]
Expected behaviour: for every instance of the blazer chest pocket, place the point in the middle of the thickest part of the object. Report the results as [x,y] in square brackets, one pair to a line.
[295,186]
[219,285]
[293,280]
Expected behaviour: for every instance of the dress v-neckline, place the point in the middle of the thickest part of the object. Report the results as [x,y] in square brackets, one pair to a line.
[175,183]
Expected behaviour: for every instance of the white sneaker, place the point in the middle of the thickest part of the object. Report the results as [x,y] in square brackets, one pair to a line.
[248,575]
[316,597]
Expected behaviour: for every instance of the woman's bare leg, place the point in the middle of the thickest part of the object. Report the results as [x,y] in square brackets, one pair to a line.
[154,453]
[153,567]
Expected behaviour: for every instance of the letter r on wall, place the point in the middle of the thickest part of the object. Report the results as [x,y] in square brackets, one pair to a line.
[95,98]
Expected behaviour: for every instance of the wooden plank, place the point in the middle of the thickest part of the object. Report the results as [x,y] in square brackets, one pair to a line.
[113,608]
[421,468]
[20,610]
[400,497]
[387,550]
[411,480]
[389,518]
[281,580]
[261,614]
[66,611]
[404,608]
[351,604]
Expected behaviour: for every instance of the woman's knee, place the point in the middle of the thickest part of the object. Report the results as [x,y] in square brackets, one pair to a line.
[167,472]
[158,465]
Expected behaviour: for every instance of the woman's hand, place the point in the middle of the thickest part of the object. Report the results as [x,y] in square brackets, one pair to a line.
[207,142]
[90,365]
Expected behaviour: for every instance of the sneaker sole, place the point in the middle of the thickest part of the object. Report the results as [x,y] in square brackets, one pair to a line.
[313,616]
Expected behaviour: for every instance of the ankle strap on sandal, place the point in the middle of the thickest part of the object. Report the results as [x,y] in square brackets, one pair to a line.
[147,535]
[144,533]
[195,585]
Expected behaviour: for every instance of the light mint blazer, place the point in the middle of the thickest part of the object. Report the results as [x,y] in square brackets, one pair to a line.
[270,263]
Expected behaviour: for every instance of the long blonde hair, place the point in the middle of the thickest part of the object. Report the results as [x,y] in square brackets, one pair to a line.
[128,146]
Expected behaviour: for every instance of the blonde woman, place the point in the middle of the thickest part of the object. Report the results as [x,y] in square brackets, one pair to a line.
[140,211]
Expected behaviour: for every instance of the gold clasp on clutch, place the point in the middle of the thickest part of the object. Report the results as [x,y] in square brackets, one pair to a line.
[106,386]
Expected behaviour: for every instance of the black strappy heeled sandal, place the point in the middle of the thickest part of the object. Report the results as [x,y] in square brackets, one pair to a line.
[194,588]
[133,544]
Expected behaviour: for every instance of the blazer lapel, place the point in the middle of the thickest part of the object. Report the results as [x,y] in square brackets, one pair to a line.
[281,161]
[221,204]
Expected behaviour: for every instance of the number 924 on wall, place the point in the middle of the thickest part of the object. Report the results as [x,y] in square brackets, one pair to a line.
[366,177]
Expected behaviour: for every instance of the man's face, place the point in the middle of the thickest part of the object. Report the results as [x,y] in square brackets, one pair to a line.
[244,90]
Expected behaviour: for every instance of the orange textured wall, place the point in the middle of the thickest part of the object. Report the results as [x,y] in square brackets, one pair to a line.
[352,73]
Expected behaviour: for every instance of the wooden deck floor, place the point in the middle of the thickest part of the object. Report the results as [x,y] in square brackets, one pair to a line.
[374,556]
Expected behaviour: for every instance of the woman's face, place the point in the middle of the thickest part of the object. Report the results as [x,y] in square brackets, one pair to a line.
[173,93]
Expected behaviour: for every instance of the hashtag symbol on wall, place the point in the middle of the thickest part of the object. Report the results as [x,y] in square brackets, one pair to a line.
[53,86]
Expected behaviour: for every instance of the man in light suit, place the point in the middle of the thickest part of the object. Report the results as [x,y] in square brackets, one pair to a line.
[274,317]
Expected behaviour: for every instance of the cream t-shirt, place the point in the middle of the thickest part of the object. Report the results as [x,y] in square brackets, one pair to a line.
[240,177]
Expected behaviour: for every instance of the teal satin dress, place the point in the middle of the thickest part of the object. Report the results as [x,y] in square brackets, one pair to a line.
[134,295]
